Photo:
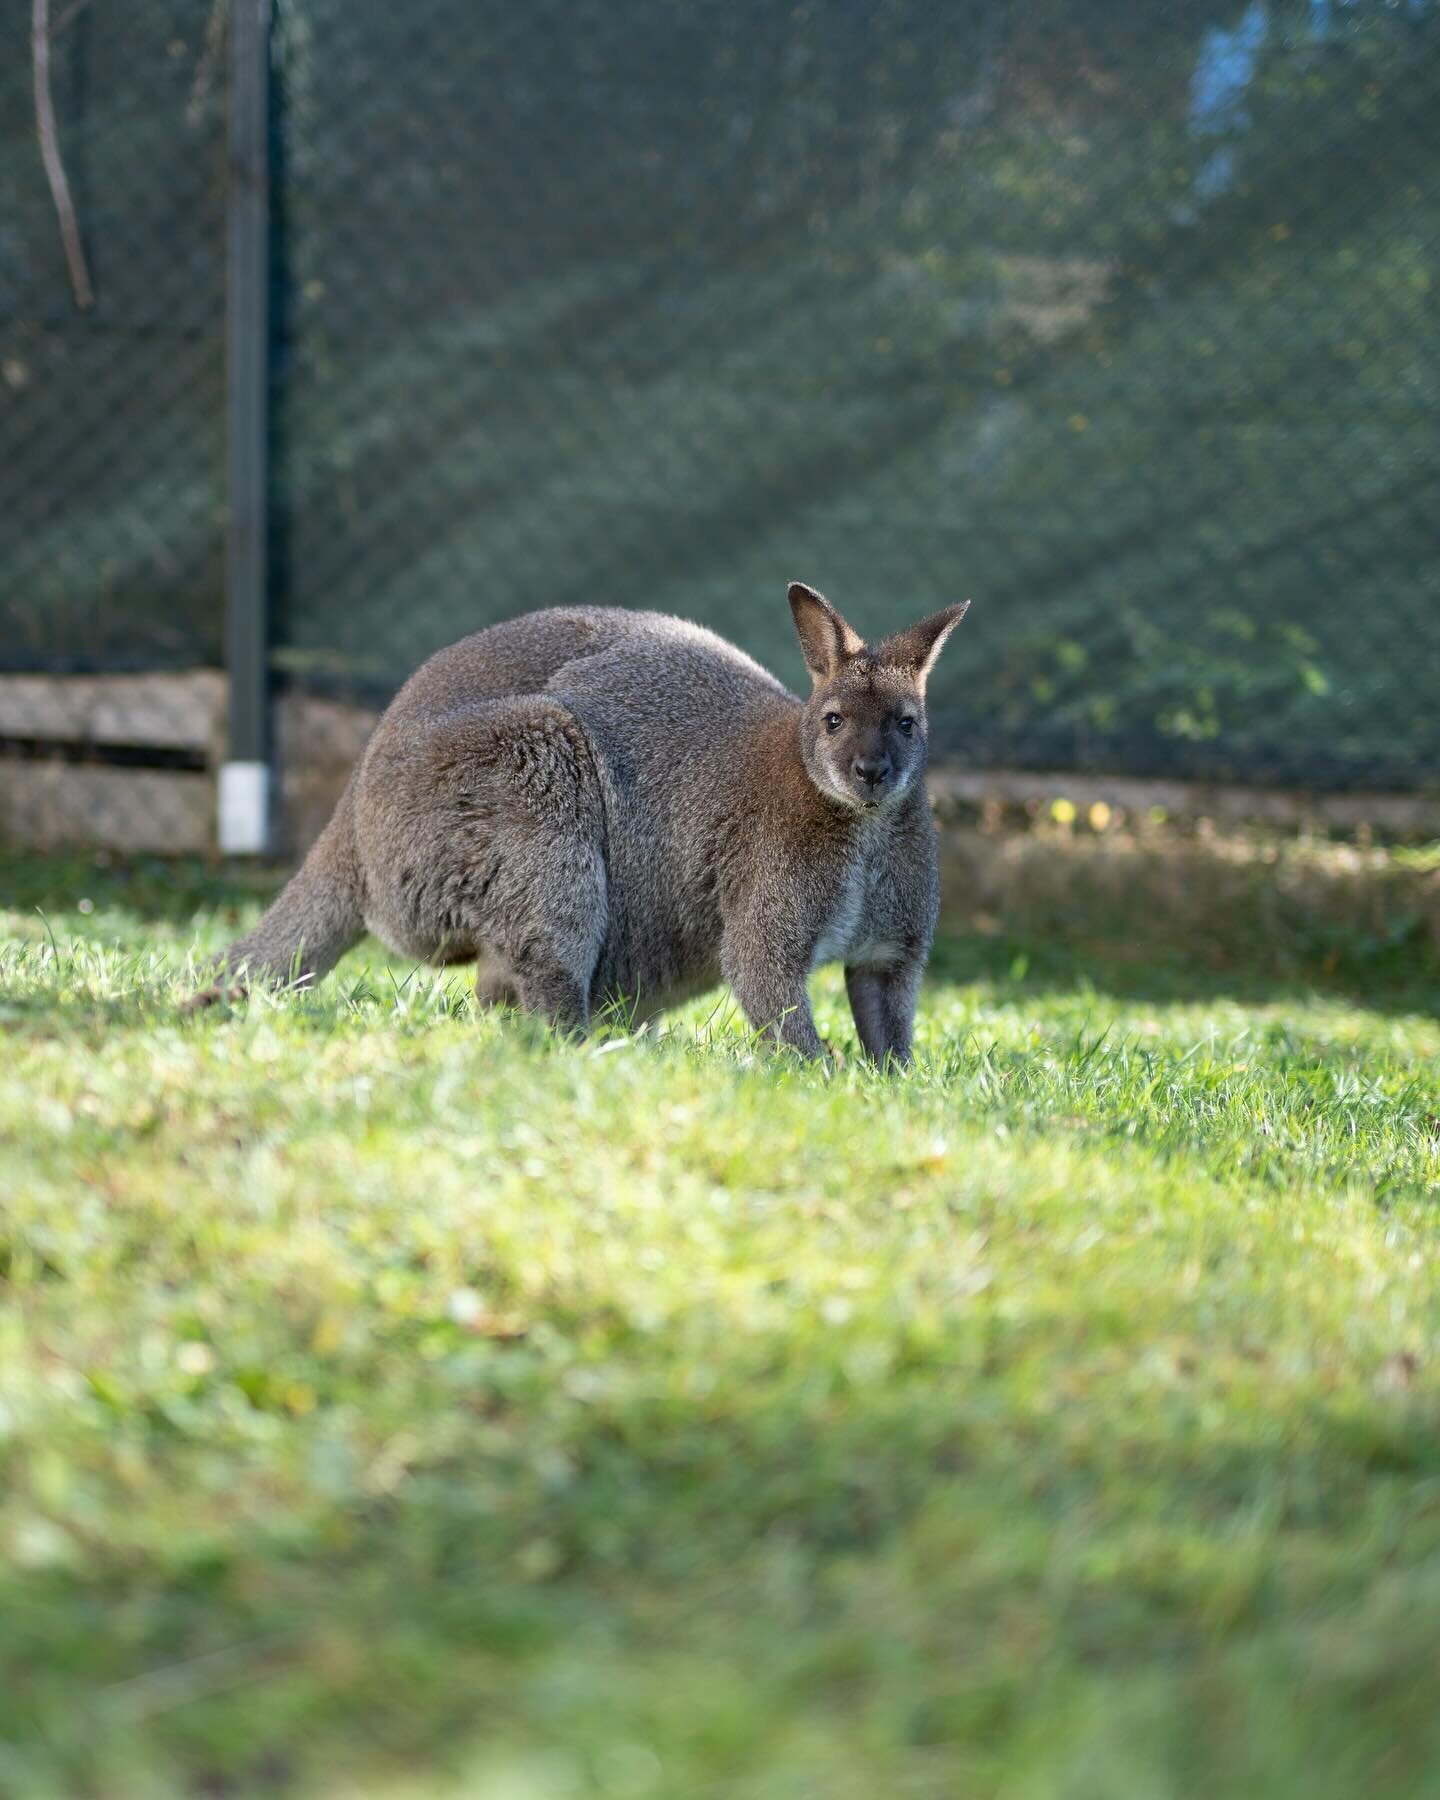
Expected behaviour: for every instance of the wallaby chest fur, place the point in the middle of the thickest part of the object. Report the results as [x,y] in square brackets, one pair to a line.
[597,804]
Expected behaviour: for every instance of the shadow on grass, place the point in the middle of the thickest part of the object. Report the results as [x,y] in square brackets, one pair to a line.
[153,889]
[1393,979]
[1126,955]
[579,1575]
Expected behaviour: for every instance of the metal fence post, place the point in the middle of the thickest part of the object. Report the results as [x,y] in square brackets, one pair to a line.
[245,777]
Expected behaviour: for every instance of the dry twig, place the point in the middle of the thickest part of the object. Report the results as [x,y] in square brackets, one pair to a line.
[50,155]
[206,65]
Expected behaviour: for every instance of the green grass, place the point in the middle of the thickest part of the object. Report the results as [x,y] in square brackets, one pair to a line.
[394,1402]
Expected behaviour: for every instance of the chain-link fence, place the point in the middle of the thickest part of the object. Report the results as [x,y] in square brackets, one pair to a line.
[1120,320]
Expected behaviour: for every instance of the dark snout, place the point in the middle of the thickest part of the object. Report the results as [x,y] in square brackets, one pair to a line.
[873,772]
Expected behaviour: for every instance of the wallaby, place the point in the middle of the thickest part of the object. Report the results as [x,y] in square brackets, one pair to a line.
[597,804]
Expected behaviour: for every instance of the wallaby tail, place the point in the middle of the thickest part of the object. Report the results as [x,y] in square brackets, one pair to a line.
[315,920]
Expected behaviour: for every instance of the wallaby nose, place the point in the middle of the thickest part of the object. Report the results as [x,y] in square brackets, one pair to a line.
[872,773]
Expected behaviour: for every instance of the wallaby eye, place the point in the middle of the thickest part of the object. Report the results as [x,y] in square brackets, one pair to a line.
[833,721]
[907,724]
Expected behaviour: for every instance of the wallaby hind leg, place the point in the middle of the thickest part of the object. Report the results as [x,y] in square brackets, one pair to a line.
[315,920]
[558,996]
[540,906]
[511,862]
[495,983]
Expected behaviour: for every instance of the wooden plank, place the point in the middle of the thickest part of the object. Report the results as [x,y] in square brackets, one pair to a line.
[57,805]
[1396,815]
[171,712]
[318,743]
[1281,896]
[45,804]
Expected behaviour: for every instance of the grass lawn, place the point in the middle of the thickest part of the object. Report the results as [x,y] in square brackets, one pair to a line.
[395,1403]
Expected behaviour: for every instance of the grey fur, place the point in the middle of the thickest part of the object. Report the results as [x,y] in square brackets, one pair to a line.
[597,804]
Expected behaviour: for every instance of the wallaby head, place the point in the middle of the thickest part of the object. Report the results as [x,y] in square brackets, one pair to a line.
[862,733]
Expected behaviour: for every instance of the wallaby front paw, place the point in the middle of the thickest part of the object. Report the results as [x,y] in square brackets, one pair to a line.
[218,994]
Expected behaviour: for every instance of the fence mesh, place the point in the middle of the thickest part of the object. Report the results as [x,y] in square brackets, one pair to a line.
[1120,320]
[112,418]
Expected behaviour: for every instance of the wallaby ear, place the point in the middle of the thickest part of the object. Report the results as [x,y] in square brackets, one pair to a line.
[825,639]
[916,649]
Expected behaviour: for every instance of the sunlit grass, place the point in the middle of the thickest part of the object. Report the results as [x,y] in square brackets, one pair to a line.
[395,1401]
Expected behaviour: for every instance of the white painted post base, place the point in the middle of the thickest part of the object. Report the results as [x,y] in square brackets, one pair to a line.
[244,808]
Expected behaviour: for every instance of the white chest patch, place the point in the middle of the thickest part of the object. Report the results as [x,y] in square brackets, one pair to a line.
[845,936]
[842,927]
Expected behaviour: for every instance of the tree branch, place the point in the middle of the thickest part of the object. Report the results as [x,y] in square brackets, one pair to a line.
[50,156]
[206,65]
